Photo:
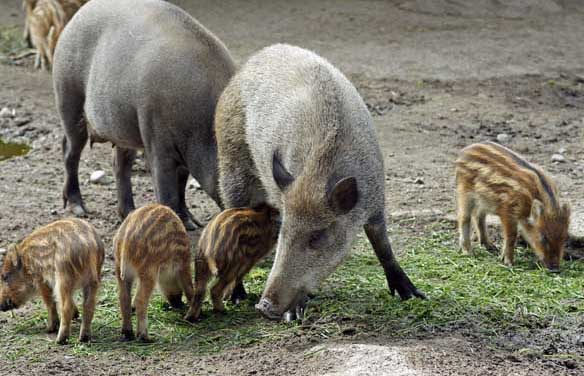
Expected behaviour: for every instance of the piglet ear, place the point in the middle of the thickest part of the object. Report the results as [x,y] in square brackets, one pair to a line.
[281,176]
[343,196]
[536,211]
[566,210]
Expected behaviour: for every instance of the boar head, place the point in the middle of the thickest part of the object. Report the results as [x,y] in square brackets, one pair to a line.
[547,232]
[314,238]
[16,288]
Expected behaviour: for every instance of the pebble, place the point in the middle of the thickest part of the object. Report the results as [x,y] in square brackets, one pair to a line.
[6,113]
[19,122]
[562,150]
[194,184]
[419,181]
[503,138]
[97,177]
[558,158]
[2,251]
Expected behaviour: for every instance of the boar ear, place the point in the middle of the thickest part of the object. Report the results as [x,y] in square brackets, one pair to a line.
[343,196]
[281,176]
[536,211]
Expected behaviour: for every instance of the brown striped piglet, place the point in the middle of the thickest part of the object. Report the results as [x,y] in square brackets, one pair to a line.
[491,179]
[151,246]
[54,261]
[230,245]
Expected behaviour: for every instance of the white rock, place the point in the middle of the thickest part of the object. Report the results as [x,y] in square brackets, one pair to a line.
[6,113]
[562,150]
[98,177]
[194,184]
[503,138]
[558,158]
[2,251]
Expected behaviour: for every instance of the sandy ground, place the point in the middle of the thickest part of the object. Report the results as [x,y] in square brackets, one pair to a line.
[437,75]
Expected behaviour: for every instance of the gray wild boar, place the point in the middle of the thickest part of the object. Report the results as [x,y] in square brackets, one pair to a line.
[293,131]
[141,74]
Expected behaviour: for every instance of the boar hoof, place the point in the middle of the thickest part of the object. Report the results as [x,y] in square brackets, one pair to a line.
[54,328]
[127,335]
[491,248]
[405,288]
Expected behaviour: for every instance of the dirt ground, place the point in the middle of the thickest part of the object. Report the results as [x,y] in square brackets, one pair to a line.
[437,75]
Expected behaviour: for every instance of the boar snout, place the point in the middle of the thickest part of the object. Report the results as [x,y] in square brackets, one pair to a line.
[553,267]
[267,309]
[7,305]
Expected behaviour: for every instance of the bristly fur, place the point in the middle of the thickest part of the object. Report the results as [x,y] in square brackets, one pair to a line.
[153,247]
[492,179]
[230,245]
[54,261]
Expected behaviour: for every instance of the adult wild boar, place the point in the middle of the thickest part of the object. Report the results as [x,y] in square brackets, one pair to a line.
[141,74]
[293,131]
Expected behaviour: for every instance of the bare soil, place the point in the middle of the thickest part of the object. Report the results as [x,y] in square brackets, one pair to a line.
[437,75]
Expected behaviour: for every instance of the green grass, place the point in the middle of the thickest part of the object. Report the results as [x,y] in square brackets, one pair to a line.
[467,295]
[11,44]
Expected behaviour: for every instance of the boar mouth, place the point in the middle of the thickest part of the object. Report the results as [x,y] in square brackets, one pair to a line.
[266,308]
[294,311]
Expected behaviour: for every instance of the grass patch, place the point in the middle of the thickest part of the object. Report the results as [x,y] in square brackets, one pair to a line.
[11,44]
[466,295]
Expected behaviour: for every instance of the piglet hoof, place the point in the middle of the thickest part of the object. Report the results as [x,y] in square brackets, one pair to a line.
[127,335]
[76,314]
[491,248]
[84,338]
[62,340]
[238,295]
[53,328]
[144,338]
[174,302]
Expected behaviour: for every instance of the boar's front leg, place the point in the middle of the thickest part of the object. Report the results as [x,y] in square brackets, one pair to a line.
[183,177]
[123,160]
[397,279]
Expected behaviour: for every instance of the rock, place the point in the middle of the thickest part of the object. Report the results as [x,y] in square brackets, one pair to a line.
[6,113]
[562,150]
[349,331]
[571,364]
[98,177]
[503,138]
[194,184]
[2,251]
[559,158]
[419,181]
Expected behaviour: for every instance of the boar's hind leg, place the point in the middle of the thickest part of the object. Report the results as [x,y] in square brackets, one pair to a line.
[122,162]
[143,293]
[89,301]
[74,141]
[481,223]
[397,279]
[48,298]
[66,309]
[182,178]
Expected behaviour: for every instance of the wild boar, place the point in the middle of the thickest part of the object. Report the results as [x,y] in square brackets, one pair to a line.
[230,245]
[54,261]
[292,131]
[491,179]
[46,22]
[151,246]
[141,74]
[27,6]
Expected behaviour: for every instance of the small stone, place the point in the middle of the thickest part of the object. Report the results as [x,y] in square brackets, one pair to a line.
[571,364]
[6,113]
[503,138]
[194,184]
[54,212]
[2,251]
[419,181]
[562,150]
[454,109]
[97,177]
[559,158]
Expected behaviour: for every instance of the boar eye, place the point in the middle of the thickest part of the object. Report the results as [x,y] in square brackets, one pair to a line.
[317,239]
